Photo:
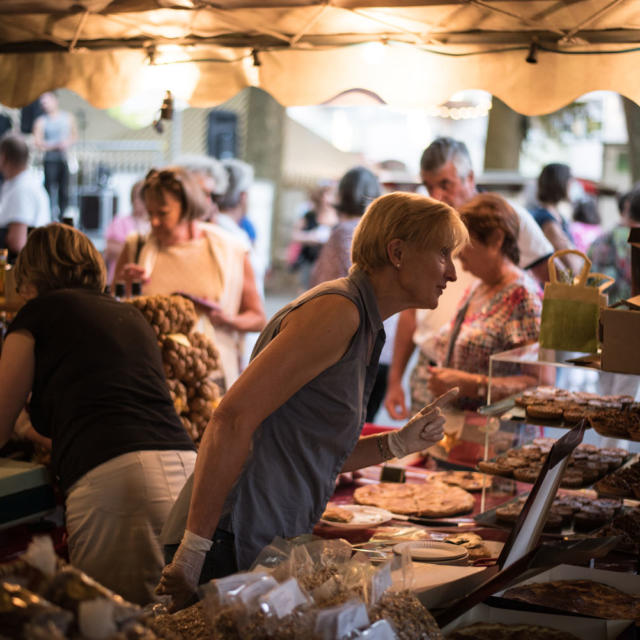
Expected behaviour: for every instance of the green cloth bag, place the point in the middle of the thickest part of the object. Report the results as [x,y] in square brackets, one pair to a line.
[571,311]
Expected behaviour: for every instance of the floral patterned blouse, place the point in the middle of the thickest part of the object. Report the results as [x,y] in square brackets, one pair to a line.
[510,319]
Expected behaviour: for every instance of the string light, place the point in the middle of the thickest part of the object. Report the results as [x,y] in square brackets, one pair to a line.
[461,111]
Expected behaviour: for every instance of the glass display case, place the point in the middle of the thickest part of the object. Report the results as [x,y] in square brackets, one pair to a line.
[500,425]
[572,371]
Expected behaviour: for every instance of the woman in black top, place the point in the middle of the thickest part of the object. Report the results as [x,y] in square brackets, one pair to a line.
[94,372]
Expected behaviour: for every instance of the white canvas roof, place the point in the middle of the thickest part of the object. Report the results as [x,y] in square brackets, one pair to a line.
[308,51]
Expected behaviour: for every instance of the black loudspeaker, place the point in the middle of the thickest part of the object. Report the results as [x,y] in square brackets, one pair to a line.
[97,208]
[29,114]
[222,134]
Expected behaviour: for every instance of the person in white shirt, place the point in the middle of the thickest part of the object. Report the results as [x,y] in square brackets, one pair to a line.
[447,173]
[24,203]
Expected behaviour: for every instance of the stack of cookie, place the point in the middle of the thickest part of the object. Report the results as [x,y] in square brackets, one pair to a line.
[581,512]
[586,464]
[624,483]
[559,406]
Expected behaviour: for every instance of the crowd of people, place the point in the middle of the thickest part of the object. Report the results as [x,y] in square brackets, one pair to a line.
[457,273]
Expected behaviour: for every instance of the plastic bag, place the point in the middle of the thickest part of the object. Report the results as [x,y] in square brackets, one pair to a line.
[24,614]
[342,621]
[381,630]
[34,568]
[98,611]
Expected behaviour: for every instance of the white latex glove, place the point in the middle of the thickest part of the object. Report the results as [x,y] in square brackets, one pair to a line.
[423,430]
[180,578]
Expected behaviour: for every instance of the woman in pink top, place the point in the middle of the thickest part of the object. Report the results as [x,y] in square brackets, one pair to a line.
[184,254]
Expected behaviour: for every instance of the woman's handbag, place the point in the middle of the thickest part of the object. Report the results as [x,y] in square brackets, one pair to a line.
[570,310]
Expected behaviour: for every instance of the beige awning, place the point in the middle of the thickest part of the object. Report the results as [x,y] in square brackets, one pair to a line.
[306,52]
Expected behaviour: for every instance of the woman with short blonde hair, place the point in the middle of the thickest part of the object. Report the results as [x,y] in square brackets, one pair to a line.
[405,216]
[269,458]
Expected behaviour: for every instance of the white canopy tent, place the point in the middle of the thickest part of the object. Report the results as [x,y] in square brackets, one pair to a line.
[406,52]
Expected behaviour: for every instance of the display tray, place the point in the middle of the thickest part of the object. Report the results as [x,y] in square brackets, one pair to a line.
[501,612]
[569,526]
[624,582]
[588,465]
[518,414]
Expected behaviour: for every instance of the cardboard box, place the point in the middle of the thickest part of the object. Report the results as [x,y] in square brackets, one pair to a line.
[581,627]
[627,582]
[620,337]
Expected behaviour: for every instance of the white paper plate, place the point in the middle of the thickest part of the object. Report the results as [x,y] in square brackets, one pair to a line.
[363,517]
[432,551]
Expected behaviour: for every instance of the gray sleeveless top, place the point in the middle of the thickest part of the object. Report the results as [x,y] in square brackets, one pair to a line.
[56,130]
[298,451]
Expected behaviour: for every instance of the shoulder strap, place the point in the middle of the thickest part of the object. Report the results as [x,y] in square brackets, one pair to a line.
[455,331]
[140,240]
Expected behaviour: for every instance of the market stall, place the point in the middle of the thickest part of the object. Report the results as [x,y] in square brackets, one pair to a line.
[535,56]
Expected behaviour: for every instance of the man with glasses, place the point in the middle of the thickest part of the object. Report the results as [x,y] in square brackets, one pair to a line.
[447,173]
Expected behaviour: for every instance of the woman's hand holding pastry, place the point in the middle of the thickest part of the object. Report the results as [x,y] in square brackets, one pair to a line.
[425,429]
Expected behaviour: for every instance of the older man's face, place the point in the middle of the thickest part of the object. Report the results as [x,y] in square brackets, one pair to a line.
[446,185]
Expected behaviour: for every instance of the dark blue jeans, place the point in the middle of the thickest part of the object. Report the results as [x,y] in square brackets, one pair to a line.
[219,562]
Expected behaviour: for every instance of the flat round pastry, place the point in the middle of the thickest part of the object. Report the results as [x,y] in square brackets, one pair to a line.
[565,512]
[590,471]
[572,479]
[527,474]
[508,512]
[469,480]
[573,414]
[589,518]
[531,452]
[544,411]
[496,467]
[553,522]
[614,451]
[584,597]
[432,499]
[544,444]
